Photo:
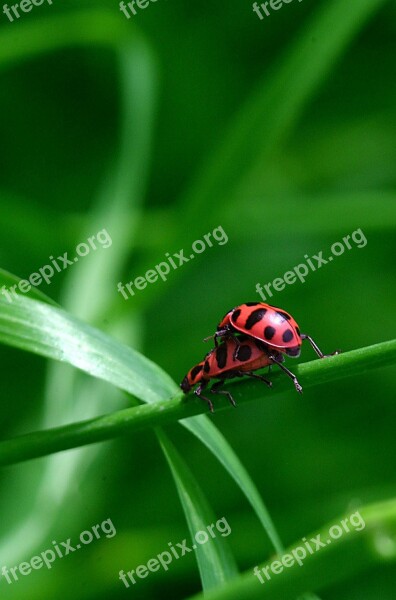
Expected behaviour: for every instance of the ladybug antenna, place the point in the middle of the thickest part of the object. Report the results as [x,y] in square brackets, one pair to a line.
[210,337]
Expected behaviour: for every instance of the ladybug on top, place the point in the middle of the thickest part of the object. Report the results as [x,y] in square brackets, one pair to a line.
[253,335]
[268,324]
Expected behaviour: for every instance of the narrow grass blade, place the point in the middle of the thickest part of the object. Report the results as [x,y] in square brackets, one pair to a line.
[215,561]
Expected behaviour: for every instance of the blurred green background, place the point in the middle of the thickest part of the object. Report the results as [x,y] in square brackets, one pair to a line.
[161,128]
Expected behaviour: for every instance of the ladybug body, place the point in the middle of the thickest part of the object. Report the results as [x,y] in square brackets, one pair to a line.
[263,322]
[269,324]
[233,357]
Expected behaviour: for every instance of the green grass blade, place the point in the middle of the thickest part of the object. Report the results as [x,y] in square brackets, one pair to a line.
[215,561]
[8,280]
[211,437]
[119,205]
[310,374]
[51,332]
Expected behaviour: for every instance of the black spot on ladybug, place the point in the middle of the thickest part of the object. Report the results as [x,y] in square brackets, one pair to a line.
[255,317]
[244,353]
[293,351]
[235,315]
[221,356]
[195,370]
[285,316]
[269,332]
[252,303]
[287,335]
[206,367]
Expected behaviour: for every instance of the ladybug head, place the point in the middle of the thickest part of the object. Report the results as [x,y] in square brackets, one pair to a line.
[294,352]
[193,376]
[185,385]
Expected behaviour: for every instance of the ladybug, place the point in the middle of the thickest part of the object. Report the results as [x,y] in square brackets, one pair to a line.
[233,357]
[268,324]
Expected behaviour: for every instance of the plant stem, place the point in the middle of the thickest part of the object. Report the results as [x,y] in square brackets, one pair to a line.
[42,443]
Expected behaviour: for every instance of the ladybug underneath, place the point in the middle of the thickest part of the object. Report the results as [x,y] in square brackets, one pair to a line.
[266,323]
[233,357]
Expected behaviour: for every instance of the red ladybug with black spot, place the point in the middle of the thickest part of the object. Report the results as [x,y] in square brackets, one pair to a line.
[268,324]
[233,357]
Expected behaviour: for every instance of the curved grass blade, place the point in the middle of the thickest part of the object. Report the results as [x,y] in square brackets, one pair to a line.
[51,332]
[69,396]
[215,561]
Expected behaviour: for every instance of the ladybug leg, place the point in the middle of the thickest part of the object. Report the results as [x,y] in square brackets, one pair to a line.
[198,393]
[220,333]
[289,373]
[316,347]
[254,376]
[237,346]
[214,390]
[215,337]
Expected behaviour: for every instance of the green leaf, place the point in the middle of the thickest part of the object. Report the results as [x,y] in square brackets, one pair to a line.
[215,561]
[49,331]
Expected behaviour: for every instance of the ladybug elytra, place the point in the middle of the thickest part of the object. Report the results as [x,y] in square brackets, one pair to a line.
[266,323]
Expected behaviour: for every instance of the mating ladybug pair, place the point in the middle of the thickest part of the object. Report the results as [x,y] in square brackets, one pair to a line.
[253,335]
